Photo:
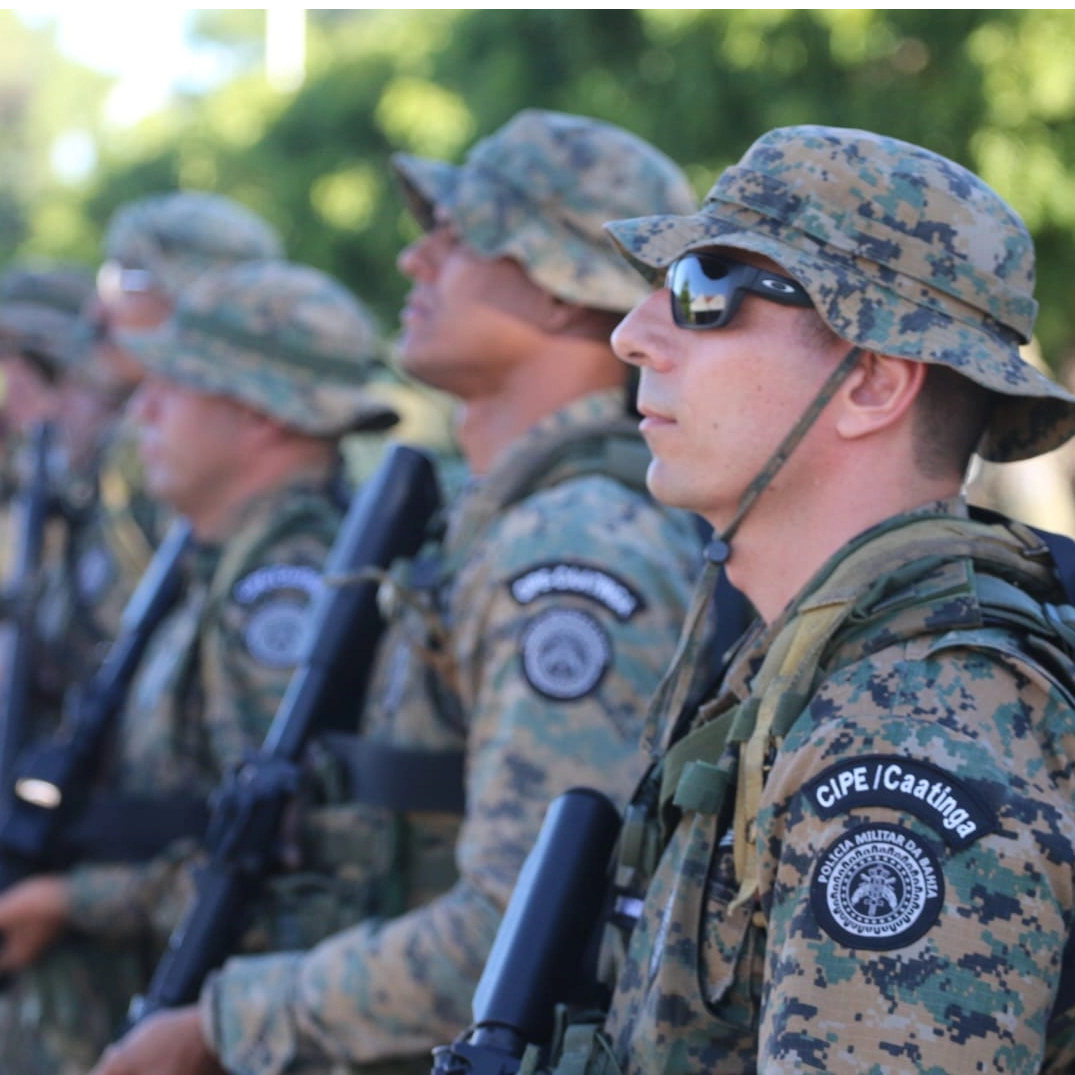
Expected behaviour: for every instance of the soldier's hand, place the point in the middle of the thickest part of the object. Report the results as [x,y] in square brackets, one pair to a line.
[167,1043]
[32,914]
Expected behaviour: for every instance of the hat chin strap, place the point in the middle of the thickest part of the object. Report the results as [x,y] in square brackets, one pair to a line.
[719,549]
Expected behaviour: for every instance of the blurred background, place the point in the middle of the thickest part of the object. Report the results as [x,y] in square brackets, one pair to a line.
[295,112]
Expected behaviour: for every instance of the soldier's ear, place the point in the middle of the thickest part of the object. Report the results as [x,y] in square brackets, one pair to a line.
[262,426]
[878,394]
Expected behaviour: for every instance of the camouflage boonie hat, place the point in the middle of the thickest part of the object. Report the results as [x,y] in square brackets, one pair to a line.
[539,191]
[177,237]
[39,312]
[903,252]
[284,339]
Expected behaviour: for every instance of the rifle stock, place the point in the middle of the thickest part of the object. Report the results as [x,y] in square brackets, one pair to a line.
[387,520]
[537,959]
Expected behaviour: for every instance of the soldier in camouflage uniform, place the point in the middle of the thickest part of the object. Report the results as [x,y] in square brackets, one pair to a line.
[868,829]
[249,387]
[524,643]
[39,312]
[154,247]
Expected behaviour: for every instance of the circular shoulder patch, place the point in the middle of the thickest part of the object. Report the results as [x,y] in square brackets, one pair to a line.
[565,653]
[877,887]
[275,633]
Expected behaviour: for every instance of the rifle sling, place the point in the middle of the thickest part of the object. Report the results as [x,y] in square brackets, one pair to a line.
[121,827]
[404,779]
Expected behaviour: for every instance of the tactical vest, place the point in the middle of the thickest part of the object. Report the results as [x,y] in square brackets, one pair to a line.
[404,779]
[915,577]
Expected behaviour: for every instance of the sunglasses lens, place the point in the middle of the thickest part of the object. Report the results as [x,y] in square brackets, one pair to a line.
[701,291]
[115,280]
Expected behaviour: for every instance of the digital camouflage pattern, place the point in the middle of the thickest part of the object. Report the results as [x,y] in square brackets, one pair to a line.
[205,692]
[92,566]
[552,619]
[179,236]
[39,309]
[113,526]
[207,689]
[869,832]
[539,190]
[914,841]
[285,339]
[902,251]
[111,529]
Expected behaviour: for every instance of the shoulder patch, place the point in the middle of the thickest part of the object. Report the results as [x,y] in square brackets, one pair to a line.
[877,887]
[565,654]
[591,582]
[942,801]
[275,633]
[273,577]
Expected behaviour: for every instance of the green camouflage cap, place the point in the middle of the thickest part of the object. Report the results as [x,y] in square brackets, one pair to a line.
[903,252]
[176,237]
[285,339]
[39,312]
[539,191]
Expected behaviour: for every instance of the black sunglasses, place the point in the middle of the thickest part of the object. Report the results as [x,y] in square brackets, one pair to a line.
[707,289]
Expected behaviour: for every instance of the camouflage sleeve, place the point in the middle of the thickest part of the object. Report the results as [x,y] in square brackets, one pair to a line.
[120,901]
[919,869]
[250,643]
[562,631]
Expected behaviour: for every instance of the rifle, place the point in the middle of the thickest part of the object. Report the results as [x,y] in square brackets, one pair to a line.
[50,817]
[539,955]
[30,509]
[53,812]
[387,520]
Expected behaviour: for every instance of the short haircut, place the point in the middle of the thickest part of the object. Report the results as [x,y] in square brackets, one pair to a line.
[949,418]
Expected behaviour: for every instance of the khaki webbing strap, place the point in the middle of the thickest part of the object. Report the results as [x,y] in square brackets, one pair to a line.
[671,693]
[132,547]
[702,787]
[801,652]
[704,745]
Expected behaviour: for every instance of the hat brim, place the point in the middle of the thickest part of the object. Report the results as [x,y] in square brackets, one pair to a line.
[550,249]
[312,404]
[880,311]
[47,332]
[425,184]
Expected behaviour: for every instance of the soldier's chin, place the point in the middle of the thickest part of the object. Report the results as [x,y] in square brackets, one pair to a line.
[666,485]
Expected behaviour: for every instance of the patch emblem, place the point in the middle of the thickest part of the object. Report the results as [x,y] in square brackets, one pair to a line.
[268,579]
[275,633]
[878,887]
[941,800]
[96,570]
[565,653]
[600,586]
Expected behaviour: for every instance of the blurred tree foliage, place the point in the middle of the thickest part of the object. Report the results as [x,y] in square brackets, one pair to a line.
[994,90]
[46,102]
